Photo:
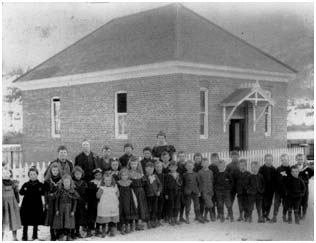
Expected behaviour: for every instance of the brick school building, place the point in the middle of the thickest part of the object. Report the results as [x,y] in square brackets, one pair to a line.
[164,69]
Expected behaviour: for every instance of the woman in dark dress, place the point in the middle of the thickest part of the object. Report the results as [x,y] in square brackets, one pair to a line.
[162,146]
[32,206]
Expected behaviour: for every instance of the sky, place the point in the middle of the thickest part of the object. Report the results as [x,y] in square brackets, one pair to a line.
[33,32]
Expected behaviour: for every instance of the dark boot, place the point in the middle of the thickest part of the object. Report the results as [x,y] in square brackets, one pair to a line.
[205,215]
[69,237]
[149,226]
[14,238]
[24,236]
[34,236]
[123,229]
[221,217]
[284,218]
[139,227]
[89,234]
[213,216]
[297,219]
[103,231]
[187,218]
[112,231]
[230,213]
[52,234]
[289,217]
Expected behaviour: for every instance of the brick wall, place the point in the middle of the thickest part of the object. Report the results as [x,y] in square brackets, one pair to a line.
[170,103]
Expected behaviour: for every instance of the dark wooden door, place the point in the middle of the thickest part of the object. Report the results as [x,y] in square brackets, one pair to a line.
[237,134]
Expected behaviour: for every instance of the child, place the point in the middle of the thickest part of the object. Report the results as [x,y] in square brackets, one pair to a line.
[269,173]
[65,207]
[173,187]
[51,184]
[128,153]
[138,181]
[161,198]
[115,164]
[165,159]
[153,189]
[197,158]
[305,174]
[11,220]
[147,157]
[181,170]
[233,169]
[282,174]
[128,202]
[81,188]
[242,196]
[295,190]
[255,190]
[214,169]
[206,186]
[223,185]
[32,205]
[108,205]
[92,201]
[191,191]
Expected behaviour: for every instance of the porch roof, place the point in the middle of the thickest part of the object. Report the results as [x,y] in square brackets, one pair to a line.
[255,94]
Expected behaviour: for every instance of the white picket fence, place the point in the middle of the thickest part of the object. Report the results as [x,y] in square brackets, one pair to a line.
[20,172]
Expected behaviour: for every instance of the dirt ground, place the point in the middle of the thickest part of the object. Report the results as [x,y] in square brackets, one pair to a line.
[216,231]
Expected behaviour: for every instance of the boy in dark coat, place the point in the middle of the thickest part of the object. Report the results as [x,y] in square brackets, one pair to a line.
[161,197]
[223,185]
[181,170]
[282,174]
[295,190]
[153,189]
[269,173]
[87,161]
[173,187]
[233,169]
[165,159]
[213,167]
[32,206]
[147,157]
[305,174]
[255,189]
[128,153]
[242,196]
[191,191]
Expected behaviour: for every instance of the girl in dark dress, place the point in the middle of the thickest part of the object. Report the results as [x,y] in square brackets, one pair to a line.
[138,182]
[51,184]
[81,212]
[32,205]
[65,207]
[128,202]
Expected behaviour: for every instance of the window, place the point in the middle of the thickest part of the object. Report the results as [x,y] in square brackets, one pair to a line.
[121,115]
[203,113]
[268,118]
[55,117]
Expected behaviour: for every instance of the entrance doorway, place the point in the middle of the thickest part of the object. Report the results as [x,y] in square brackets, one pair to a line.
[237,135]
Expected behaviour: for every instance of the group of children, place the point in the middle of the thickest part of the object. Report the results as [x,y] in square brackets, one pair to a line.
[123,196]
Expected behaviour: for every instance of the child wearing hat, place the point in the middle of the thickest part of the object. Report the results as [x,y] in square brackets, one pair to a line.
[191,192]
[128,153]
[92,201]
[153,188]
[173,187]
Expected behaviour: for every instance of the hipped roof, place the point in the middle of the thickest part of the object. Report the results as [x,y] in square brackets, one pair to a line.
[169,33]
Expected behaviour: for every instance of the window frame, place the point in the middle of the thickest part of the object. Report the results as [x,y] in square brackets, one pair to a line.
[53,128]
[205,135]
[116,116]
